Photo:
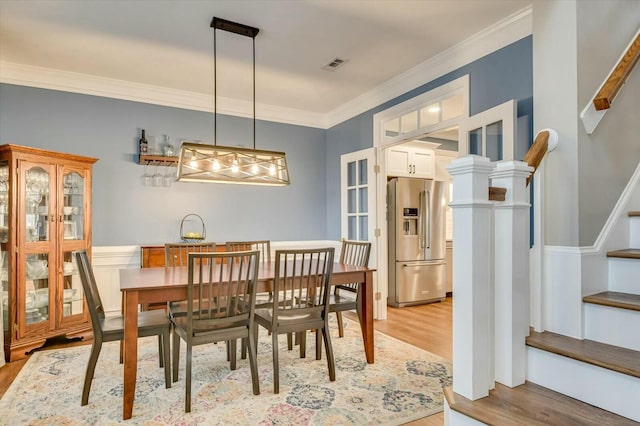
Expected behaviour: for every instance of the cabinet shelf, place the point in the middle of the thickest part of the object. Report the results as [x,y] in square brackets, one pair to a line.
[157,160]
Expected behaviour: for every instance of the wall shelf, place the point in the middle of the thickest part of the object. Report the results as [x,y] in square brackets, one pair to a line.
[157,160]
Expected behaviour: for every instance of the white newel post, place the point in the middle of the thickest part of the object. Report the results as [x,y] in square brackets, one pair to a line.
[472,304]
[511,271]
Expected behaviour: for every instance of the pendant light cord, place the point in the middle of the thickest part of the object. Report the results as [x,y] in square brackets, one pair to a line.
[254,93]
[215,91]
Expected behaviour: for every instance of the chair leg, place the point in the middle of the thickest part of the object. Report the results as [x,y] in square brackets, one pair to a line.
[302,339]
[91,368]
[176,355]
[276,371]
[160,352]
[253,363]
[330,361]
[340,325]
[165,355]
[290,341]
[243,349]
[232,348]
[187,385]
[318,345]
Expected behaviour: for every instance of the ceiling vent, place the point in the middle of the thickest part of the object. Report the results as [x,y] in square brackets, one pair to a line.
[334,64]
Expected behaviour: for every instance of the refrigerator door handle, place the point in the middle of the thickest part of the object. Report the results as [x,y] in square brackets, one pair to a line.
[421,213]
[428,219]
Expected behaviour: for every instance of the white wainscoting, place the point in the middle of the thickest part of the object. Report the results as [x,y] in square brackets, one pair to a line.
[108,260]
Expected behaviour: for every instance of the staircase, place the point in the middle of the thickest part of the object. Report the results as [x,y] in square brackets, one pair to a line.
[564,373]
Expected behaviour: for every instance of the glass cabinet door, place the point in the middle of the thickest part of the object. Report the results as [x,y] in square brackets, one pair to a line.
[37,299]
[37,204]
[73,205]
[72,295]
[39,233]
[4,241]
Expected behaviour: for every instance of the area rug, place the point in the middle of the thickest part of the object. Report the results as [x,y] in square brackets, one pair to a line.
[405,383]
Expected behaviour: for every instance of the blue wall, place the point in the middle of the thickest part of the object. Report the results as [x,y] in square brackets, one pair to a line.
[494,79]
[126,212]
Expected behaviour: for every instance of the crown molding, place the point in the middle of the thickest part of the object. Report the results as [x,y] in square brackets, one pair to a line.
[490,39]
[66,81]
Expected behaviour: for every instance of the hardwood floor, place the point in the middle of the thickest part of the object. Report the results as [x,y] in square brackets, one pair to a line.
[428,327]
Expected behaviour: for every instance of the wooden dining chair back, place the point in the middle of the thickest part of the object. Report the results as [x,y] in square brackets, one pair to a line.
[354,253]
[111,328]
[263,246]
[175,254]
[220,307]
[300,302]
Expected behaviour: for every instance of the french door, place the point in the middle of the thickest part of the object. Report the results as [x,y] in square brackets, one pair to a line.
[358,197]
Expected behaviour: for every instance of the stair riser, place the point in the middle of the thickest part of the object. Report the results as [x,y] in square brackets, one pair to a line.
[454,418]
[623,275]
[597,386]
[634,232]
[614,326]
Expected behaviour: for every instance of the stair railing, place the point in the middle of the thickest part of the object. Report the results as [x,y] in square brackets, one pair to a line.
[491,260]
[595,110]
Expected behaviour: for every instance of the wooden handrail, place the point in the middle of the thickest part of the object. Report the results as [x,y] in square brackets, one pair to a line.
[533,158]
[536,152]
[618,76]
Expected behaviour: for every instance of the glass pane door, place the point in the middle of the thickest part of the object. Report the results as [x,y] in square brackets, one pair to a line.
[37,204]
[72,295]
[37,299]
[490,133]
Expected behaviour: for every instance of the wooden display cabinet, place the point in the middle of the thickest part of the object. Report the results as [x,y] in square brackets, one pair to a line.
[45,216]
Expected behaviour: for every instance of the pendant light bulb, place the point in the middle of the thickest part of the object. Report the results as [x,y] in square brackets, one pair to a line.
[255,168]
[234,166]
[272,169]
[216,165]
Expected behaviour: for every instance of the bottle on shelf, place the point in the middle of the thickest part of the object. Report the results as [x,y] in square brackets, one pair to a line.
[144,145]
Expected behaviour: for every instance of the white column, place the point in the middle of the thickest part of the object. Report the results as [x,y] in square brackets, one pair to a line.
[472,304]
[511,287]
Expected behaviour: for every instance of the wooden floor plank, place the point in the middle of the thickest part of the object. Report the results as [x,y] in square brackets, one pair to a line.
[534,405]
[615,300]
[615,358]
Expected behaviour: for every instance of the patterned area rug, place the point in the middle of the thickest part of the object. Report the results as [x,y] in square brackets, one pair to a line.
[405,383]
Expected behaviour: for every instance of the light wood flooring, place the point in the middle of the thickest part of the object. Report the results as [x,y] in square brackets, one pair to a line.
[426,326]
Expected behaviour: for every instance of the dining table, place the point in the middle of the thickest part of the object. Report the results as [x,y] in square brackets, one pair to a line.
[167,284]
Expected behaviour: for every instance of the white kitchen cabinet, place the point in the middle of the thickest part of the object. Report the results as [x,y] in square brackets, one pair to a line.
[410,162]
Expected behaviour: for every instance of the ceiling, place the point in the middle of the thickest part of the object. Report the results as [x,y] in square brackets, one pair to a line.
[169,43]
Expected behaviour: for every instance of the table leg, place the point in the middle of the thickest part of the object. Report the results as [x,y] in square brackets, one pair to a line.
[130,351]
[366,315]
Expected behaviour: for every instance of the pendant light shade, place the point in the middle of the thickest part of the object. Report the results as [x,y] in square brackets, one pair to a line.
[225,164]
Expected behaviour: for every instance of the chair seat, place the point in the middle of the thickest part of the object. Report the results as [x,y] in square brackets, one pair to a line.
[266,316]
[149,322]
[340,302]
[180,308]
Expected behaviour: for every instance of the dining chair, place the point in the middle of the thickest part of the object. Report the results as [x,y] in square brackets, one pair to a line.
[300,302]
[264,247]
[111,328]
[175,254]
[354,253]
[221,293]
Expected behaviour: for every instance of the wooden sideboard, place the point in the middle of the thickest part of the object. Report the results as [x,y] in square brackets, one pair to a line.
[153,255]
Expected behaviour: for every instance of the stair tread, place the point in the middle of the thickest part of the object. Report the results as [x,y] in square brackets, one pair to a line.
[626,253]
[615,299]
[615,358]
[634,214]
[531,404]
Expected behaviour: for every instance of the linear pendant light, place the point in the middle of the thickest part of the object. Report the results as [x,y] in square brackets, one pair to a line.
[225,164]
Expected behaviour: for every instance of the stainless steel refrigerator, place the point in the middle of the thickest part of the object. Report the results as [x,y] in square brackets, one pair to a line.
[416,228]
